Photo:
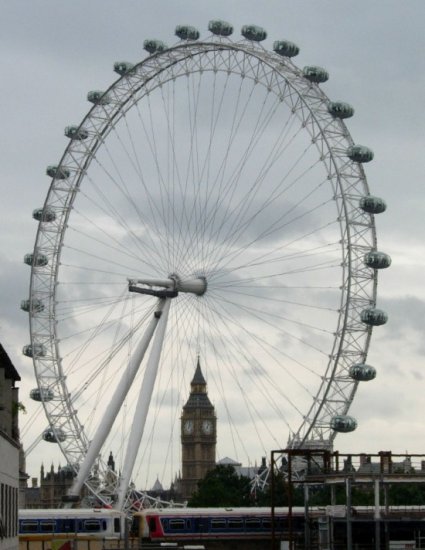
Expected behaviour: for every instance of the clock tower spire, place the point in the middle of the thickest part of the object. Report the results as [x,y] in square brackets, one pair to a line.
[198,434]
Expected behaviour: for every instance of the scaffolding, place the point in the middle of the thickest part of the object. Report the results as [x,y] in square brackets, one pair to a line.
[312,468]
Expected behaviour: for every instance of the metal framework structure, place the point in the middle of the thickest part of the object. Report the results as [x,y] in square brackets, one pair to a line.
[54,305]
[319,468]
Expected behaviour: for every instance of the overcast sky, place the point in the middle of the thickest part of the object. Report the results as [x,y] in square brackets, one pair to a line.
[52,52]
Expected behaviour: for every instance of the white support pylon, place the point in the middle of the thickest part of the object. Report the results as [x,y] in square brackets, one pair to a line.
[115,404]
[142,407]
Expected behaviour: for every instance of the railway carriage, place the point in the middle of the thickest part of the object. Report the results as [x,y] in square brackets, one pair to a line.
[38,528]
[195,524]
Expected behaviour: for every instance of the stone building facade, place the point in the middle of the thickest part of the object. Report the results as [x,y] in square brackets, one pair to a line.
[198,436]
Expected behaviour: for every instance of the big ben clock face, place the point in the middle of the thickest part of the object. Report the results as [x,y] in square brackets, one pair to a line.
[207,427]
[188,427]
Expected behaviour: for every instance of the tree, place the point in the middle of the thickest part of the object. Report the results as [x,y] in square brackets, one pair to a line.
[222,486]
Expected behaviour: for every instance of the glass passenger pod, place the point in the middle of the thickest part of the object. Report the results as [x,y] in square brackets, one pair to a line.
[123,67]
[343,423]
[44,215]
[377,260]
[153,46]
[373,317]
[42,394]
[362,372]
[360,153]
[36,350]
[58,172]
[254,33]
[75,132]
[315,74]
[36,260]
[220,28]
[34,305]
[372,205]
[285,48]
[339,109]
[186,32]
[54,436]
[97,97]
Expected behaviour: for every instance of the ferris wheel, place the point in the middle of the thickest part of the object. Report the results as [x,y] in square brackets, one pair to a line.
[210,206]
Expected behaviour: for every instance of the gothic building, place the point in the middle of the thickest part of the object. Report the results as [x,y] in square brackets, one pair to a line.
[198,435]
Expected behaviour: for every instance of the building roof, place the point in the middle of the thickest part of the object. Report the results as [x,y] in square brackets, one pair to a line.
[6,364]
[198,377]
[198,398]
[157,486]
[246,471]
[226,461]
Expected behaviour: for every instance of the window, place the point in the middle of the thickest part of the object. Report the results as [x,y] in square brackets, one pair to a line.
[28,526]
[267,523]
[92,525]
[177,524]
[252,523]
[218,523]
[117,527]
[235,523]
[47,526]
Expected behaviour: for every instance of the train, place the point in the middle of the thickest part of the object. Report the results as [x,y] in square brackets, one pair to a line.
[252,529]
[215,528]
[38,528]
[215,524]
[100,528]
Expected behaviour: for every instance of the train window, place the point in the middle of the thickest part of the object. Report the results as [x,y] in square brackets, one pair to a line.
[29,526]
[117,527]
[253,523]
[267,523]
[152,525]
[235,523]
[92,525]
[177,524]
[218,523]
[47,526]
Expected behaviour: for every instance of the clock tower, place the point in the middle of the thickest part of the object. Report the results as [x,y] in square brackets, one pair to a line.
[198,435]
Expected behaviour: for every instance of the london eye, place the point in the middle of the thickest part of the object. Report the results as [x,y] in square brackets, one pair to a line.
[211,204]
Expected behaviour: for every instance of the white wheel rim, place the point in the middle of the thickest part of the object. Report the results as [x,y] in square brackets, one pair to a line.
[241,331]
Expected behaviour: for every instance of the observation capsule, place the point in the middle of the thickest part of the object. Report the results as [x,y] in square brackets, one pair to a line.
[315,74]
[75,132]
[123,67]
[186,32]
[372,205]
[42,394]
[360,153]
[36,350]
[377,260]
[154,46]
[220,28]
[34,306]
[285,48]
[98,98]
[373,317]
[54,436]
[339,109]
[343,423]
[254,33]
[362,372]
[36,260]
[58,172]
[44,214]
